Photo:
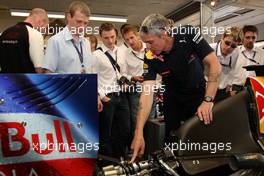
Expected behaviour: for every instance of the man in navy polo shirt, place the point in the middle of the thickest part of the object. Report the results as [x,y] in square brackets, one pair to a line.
[179,56]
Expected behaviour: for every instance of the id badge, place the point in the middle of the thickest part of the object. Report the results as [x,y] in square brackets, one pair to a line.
[83,70]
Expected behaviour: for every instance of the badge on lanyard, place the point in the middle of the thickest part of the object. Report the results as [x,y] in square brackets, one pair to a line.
[83,71]
[80,54]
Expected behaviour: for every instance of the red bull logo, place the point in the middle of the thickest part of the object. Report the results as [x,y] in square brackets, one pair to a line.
[38,146]
[258,88]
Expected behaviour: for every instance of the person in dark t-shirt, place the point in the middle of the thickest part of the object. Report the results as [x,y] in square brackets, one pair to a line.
[179,56]
[22,45]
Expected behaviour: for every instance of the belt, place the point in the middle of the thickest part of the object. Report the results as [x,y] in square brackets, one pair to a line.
[116,94]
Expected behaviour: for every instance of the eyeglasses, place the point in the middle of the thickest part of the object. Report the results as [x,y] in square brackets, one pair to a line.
[232,45]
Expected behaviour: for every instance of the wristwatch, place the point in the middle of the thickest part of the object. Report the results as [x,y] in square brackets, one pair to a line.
[208,99]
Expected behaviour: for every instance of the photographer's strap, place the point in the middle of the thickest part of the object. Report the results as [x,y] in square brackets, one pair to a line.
[112,60]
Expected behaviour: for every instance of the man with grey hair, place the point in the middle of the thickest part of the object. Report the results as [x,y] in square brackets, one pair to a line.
[22,45]
[178,55]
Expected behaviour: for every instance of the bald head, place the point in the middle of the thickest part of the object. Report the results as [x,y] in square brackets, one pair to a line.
[38,18]
[37,11]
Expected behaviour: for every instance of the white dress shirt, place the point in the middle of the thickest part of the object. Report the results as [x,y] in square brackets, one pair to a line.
[107,75]
[62,57]
[135,61]
[245,58]
[228,63]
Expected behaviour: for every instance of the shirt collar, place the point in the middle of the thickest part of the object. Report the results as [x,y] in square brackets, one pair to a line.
[243,49]
[26,23]
[68,36]
[104,48]
[219,52]
[141,51]
[174,45]
[218,49]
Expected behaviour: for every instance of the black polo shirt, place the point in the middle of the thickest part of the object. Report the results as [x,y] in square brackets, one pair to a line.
[14,50]
[182,68]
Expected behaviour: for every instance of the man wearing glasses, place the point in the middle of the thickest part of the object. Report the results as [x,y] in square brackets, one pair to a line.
[179,57]
[227,53]
[248,55]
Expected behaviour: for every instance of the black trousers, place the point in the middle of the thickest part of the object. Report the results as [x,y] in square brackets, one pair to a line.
[114,126]
[179,108]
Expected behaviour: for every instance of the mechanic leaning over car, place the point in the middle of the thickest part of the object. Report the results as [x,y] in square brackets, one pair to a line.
[179,56]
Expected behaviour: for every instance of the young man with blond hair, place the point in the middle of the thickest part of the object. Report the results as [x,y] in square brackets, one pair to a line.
[134,60]
[227,53]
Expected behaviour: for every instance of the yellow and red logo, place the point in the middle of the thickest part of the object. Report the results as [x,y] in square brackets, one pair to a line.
[149,55]
[258,88]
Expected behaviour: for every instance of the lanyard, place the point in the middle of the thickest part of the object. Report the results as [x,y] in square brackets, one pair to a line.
[253,59]
[80,53]
[137,56]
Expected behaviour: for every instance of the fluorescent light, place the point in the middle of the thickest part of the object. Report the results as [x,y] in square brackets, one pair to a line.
[20,14]
[213,3]
[52,15]
[25,13]
[108,18]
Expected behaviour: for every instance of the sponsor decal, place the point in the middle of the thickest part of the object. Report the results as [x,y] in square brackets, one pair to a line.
[38,144]
[149,55]
[48,124]
[258,88]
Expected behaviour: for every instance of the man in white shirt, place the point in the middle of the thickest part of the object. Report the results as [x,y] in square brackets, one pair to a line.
[248,55]
[68,51]
[227,53]
[110,67]
[134,60]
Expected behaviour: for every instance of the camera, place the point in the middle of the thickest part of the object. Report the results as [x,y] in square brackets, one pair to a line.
[123,80]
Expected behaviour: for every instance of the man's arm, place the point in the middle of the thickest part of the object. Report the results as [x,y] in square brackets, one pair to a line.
[214,69]
[46,71]
[51,58]
[39,70]
[145,104]
[36,49]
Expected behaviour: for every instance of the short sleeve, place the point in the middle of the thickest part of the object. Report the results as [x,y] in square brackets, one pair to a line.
[199,44]
[51,57]
[36,47]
